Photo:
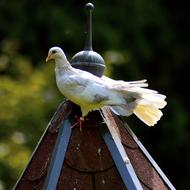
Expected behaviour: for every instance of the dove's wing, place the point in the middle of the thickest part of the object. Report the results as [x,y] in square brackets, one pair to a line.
[124,84]
[85,90]
[124,98]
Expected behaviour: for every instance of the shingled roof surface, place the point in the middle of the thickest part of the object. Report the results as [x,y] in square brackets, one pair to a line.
[88,164]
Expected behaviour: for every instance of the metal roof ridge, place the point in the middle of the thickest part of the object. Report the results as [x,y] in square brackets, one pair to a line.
[62,105]
[148,156]
[118,153]
[58,155]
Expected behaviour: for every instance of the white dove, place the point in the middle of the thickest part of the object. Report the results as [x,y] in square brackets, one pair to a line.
[92,93]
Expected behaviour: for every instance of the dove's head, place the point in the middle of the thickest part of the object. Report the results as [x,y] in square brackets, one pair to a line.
[56,53]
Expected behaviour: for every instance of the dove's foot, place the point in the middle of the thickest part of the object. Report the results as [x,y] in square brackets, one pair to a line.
[79,122]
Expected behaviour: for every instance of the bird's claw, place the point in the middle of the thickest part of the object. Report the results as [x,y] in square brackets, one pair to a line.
[79,122]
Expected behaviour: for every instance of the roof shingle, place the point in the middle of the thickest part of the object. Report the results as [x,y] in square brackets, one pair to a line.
[88,163]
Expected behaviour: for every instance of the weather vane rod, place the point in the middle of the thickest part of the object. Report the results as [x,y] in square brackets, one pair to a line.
[88,43]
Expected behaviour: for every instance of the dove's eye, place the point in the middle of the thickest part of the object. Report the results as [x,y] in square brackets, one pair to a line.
[53,51]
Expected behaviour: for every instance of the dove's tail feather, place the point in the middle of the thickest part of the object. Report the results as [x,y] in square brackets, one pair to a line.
[149,114]
[146,105]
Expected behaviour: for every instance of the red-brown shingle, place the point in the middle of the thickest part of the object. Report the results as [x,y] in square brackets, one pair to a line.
[88,163]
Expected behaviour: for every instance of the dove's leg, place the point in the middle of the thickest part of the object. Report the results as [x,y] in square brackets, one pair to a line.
[79,122]
[81,119]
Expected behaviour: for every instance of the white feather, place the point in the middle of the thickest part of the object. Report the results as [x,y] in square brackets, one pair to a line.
[91,92]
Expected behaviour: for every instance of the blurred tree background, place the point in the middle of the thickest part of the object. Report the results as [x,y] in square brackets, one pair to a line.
[138,39]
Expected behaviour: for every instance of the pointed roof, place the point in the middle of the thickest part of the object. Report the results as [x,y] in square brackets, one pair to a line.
[68,158]
[105,155]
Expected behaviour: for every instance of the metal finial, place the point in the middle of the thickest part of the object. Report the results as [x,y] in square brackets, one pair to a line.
[88,43]
[89,60]
[89,6]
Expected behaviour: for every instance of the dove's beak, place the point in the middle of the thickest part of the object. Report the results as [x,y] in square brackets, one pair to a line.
[48,58]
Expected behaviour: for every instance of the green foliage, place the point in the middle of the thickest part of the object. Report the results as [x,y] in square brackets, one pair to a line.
[27,101]
[138,39]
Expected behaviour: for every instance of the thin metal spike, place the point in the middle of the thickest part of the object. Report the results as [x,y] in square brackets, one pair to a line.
[88,43]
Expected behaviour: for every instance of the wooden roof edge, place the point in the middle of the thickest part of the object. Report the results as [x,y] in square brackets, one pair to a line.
[52,124]
[63,111]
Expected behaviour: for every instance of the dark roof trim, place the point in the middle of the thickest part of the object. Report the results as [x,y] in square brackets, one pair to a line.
[149,157]
[126,170]
[65,109]
[58,156]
